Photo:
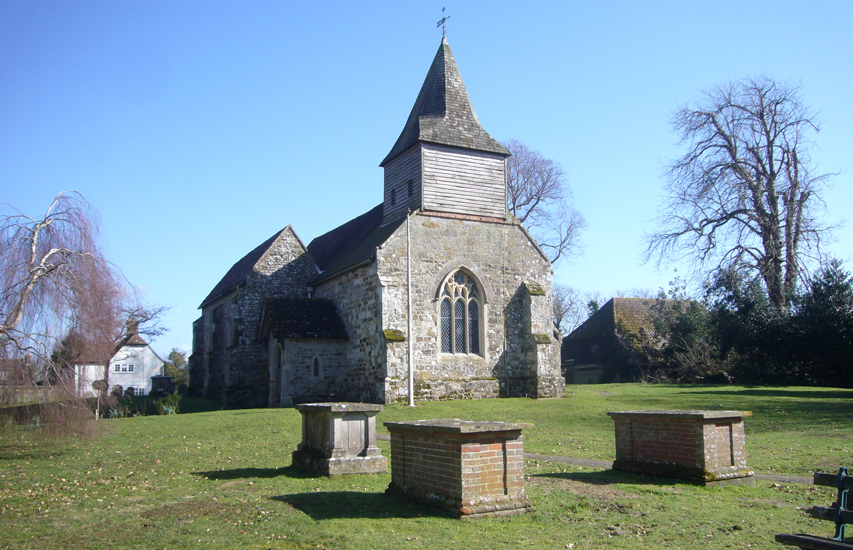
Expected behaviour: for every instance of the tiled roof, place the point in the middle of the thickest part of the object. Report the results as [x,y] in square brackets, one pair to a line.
[630,314]
[443,113]
[133,340]
[599,324]
[301,318]
[351,243]
[240,270]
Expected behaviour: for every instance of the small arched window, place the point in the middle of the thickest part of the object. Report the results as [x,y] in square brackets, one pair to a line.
[315,370]
[460,311]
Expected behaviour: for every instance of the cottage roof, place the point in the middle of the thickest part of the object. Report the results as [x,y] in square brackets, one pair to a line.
[301,318]
[133,340]
[240,270]
[350,244]
[443,113]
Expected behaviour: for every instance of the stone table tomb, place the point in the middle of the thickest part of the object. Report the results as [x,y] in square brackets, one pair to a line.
[339,438]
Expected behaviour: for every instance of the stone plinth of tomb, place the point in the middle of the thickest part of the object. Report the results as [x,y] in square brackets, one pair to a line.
[700,446]
[339,438]
[464,468]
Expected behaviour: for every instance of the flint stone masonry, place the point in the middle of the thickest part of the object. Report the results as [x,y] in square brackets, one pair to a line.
[463,468]
[339,438]
[229,363]
[519,355]
[700,446]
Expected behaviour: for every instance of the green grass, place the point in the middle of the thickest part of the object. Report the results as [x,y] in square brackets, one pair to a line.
[222,479]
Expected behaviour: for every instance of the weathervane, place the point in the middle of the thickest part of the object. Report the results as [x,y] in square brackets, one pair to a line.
[441,24]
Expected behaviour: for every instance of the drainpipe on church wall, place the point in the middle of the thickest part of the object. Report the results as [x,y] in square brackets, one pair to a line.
[409,309]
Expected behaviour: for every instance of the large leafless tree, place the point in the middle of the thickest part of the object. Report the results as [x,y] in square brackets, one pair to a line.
[538,196]
[60,299]
[745,195]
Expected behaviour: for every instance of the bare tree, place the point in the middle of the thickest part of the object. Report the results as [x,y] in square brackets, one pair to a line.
[572,307]
[61,301]
[538,196]
[568,308]
[744,196]
[636,292]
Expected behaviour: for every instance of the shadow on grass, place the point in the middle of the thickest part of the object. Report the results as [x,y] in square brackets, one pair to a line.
[13,451]
[612,477]
[259,473]
[354,505]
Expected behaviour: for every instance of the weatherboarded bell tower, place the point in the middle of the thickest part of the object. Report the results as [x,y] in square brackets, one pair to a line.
[481,320]
[443,160]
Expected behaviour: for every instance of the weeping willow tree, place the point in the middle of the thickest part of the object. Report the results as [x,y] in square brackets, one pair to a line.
[62,303]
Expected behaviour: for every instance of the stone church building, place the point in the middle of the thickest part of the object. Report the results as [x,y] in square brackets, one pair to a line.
[330,321]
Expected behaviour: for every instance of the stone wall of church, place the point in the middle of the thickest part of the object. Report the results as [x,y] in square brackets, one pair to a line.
[323,382]
[356,296]
[235,364]
[195,363]
[514,361]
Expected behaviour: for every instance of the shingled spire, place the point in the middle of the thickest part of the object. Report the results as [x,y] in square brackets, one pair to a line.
[443,113]
[444,161]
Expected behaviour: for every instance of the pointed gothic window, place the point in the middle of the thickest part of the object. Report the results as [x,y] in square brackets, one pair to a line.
[460,315]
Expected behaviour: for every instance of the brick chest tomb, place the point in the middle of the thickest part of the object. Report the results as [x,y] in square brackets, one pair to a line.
[464,468]
[339,438]
[701,446]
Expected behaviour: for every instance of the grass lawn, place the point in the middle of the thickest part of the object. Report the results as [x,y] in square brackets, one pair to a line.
[222,479]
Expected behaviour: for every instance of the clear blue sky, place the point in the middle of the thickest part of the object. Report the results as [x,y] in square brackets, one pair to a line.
[199,129]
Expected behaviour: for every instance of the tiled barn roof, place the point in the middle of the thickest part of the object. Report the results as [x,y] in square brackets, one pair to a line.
[630,314]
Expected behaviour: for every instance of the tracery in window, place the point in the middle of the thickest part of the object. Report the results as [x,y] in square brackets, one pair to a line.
[460,315]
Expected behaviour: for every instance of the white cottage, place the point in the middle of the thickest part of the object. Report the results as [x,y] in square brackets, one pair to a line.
[132,366]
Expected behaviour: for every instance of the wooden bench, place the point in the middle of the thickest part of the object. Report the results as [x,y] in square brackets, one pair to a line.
[839,512]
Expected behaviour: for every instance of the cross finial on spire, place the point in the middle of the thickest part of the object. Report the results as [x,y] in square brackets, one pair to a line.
[441,24]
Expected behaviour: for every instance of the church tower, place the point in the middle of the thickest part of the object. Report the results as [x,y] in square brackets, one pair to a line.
[444,161]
